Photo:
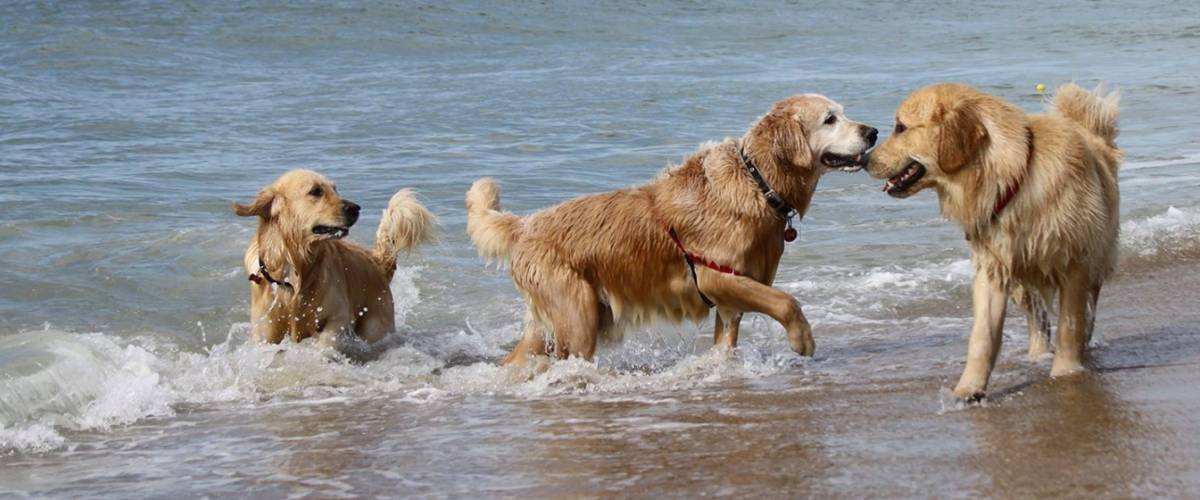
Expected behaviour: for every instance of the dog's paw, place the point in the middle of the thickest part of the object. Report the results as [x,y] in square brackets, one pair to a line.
[1063,367]
[1035,356]
[801,339]
[524,368]
[970,391]
[1039,349]
[723,352]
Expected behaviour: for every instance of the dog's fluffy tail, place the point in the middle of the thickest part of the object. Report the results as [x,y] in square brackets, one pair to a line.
[405,224]
[493,232]
[1095,110]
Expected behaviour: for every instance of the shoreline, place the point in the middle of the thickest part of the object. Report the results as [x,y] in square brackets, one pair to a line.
[1130,427]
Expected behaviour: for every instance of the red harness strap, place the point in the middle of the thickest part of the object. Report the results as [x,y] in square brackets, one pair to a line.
[1011,190]
[691,259]
[699,259]
[1005,198]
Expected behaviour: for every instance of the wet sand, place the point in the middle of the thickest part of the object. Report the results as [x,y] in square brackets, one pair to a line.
[874,419]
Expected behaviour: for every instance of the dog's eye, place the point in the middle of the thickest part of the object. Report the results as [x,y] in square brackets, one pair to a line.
[831,120]
[900,128]
[316,192]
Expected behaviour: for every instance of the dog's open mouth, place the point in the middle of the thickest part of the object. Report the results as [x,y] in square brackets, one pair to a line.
[900,183]
[335,232]
[845,163]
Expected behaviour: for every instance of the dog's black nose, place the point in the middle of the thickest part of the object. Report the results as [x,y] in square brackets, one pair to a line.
[871,136]
[351,209]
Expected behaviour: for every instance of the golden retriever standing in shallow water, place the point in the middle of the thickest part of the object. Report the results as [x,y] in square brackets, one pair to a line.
[1037,197]
[709,231]
[306,280]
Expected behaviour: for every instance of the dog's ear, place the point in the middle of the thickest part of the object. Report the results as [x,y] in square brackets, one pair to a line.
[261,206]
[963,136]
[781,131]
[794,137]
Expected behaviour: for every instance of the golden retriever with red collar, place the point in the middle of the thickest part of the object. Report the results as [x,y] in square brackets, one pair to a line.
[306,280]
[1036,195]
[707,232]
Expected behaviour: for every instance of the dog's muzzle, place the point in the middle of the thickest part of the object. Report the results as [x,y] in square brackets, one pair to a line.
[899,183]
[335,232]
[845,163]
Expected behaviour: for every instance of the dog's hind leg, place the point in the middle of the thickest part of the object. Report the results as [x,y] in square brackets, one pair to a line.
[1093,300]
[1037,320]
[1072,322]
[574,314]
[725,329]
[610,330]
[744,294]
[532,343]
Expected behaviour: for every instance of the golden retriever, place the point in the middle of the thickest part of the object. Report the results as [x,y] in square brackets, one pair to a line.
[306,280]
[1037,197]
[704,232]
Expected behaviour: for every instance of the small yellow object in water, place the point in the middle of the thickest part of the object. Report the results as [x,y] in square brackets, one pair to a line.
[1041,88]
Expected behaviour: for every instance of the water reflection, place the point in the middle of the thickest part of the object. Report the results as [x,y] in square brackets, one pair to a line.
[1029,443]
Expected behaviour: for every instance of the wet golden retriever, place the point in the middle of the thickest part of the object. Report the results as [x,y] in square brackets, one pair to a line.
[709,231]
[306,280]
[1037,197]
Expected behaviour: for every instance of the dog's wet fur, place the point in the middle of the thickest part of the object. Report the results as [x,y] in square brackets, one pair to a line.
[592,266]
[1055,237]
[332,289]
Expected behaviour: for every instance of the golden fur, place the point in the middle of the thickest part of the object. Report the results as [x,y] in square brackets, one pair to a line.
[1057,235]
[591,266]
[339,290]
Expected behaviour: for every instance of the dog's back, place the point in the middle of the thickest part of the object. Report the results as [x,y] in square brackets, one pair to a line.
[1086,122]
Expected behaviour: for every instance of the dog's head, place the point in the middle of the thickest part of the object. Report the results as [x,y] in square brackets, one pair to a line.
[302,204]
[940,132]
[812,130]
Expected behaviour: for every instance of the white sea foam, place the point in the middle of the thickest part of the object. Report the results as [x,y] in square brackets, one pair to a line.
[78,382]
[32,437]
[94,382]
[868,295]
[1175,230]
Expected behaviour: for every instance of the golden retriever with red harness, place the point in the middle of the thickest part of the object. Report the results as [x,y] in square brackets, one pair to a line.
[1036,195]
[709,232]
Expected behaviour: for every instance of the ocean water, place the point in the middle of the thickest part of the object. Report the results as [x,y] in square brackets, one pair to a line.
[127,128]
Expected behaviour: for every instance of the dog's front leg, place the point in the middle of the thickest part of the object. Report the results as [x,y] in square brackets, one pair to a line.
[267,329]
[989,302]
[725,329]
[334,330]
[740,293]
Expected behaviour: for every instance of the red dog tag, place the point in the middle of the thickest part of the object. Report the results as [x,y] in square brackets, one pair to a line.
[789,234]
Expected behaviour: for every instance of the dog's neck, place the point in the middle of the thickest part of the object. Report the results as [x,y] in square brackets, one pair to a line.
[976,200]
[284,255]
[793,183]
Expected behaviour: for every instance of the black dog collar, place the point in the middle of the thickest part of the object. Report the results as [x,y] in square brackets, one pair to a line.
[776,202]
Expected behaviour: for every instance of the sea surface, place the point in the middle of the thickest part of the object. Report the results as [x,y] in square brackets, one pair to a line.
[127,128]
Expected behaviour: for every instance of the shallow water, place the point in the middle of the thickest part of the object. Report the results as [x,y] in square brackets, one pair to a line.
[124,366]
